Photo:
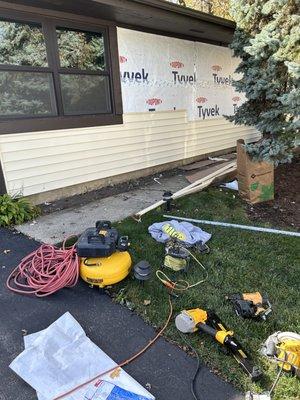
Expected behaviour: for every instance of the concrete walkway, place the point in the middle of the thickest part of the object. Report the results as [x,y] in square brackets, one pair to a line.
[165,369]
[54,227]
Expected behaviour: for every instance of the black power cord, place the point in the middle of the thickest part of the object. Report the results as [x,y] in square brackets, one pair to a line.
[198,368]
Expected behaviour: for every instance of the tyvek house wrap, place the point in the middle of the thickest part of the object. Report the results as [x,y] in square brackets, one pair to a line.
[161,73]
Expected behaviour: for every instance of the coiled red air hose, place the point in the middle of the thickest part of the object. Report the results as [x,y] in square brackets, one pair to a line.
[45,271]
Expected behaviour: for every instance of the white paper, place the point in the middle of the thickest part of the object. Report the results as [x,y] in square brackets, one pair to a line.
[61,357]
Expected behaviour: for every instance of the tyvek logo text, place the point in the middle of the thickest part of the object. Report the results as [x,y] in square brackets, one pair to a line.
[218,79]
[181,78]
[204,112]
[133,76]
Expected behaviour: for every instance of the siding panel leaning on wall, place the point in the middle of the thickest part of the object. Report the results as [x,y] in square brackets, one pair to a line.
[42,161]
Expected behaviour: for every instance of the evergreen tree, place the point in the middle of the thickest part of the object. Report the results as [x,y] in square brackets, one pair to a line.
[215,7]
[267,40]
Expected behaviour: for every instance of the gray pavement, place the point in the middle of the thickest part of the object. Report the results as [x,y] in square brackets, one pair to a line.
[164,368]
[54,227]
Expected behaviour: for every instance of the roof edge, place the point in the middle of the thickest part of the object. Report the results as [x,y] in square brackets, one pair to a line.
[168,6]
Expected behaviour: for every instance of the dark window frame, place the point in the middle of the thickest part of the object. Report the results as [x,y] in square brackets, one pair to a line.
[22,124]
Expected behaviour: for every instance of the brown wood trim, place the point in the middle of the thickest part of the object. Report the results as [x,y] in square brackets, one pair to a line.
[55,123]
[115,70]
[3,189]
[23,68]
[6,8]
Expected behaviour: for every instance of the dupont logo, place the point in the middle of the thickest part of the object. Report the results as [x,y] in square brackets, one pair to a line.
[154,101]
[201,100]
[236,99]
[176,64]
[220,80]
[216,68]
[122,59]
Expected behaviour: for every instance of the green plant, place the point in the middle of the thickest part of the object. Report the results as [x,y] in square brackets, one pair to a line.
[14,211]
[267,42]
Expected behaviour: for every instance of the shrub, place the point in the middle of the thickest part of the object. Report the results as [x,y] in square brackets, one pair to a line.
[14,211]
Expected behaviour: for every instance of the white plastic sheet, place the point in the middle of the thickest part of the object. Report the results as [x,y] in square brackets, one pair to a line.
[61,357]
[233,185]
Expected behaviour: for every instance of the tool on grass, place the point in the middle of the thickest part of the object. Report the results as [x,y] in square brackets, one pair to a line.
[251,305]
[142,271]
[177,257]
[104,259]
[189,321]
[179,264]
[284,349]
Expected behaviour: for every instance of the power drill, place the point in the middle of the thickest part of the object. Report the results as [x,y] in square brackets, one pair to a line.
[189,321]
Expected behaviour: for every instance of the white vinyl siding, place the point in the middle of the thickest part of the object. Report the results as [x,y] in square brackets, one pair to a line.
[42,161]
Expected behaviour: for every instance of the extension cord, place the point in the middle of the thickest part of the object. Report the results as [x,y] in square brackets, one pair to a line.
[45,271]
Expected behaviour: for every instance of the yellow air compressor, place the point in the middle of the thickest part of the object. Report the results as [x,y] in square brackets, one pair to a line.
[104,259]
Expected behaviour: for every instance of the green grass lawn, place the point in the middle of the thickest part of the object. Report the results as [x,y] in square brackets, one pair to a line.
[239,261]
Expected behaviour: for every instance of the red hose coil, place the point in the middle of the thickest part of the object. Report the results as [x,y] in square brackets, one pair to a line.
[45,271]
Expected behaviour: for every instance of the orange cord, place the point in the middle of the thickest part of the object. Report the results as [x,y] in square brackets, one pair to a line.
[126,362]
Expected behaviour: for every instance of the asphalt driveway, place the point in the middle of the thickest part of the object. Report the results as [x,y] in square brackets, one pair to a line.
[119,332]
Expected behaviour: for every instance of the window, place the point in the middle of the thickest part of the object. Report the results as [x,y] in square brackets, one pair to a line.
[24,92]
[84,88]
[57,74]
[89,50]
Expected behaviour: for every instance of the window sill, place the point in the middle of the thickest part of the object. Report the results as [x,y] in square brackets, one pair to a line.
[55,123]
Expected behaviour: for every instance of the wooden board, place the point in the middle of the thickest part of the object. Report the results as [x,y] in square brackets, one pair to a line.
[206,163]
[193,177]
[198,164]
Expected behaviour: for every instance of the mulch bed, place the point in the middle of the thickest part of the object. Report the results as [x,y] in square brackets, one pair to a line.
[284,210]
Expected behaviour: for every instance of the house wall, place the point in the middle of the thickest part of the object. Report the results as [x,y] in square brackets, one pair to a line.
[44,161]
[80,159]
[163,73]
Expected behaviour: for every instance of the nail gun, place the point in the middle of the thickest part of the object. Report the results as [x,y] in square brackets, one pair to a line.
[251,305]
[189,321]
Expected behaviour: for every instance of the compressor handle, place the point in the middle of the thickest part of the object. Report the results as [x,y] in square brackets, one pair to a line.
[103,224]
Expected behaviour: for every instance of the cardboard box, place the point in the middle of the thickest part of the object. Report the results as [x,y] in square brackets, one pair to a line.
[256,179]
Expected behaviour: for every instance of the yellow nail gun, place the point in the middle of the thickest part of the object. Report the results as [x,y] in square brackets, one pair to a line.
[251,305]
[189,321]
